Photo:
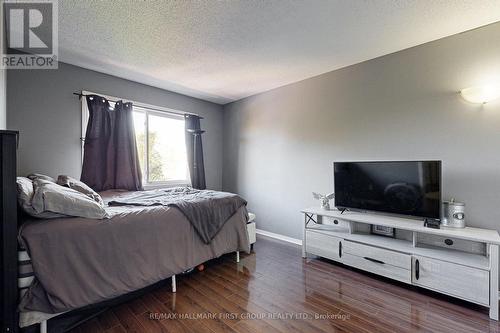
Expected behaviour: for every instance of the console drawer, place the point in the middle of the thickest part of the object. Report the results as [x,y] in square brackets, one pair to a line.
[464,282]
[387,256]
[384,269]
[323,245]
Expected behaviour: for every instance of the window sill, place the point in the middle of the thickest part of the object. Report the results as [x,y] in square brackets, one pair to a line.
[165,185]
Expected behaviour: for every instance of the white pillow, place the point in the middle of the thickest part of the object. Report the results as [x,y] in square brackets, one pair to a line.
[79,186]
[25,193]
[55,198]
[35,176]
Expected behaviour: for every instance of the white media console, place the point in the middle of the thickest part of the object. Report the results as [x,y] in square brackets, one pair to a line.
[462,263]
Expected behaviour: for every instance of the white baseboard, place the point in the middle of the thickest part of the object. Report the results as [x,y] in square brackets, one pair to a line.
[278,236]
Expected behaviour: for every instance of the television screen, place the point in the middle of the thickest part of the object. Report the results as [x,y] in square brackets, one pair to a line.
[398,187]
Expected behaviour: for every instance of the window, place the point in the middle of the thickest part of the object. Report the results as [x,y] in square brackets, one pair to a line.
[161,142]
[161,145]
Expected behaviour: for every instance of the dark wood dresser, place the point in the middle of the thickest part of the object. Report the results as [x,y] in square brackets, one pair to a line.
[8,230]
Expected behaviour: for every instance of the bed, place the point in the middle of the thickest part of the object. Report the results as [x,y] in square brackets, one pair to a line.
[71,263]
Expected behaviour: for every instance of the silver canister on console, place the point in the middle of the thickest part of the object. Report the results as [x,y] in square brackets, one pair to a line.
[453,214]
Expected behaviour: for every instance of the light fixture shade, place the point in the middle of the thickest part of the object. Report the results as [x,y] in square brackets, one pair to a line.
[481,94]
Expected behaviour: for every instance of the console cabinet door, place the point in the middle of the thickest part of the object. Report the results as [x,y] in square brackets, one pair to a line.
[323,245]
[460,281]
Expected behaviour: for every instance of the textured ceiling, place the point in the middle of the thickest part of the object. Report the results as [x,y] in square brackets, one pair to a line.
[226,50]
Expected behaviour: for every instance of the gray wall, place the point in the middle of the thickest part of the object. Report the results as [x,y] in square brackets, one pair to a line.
[41,105]
[280,145]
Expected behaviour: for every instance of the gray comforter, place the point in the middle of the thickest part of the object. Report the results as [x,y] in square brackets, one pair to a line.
[206,210]
[79,261]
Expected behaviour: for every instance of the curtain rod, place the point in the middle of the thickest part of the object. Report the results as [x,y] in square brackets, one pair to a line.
[80,95]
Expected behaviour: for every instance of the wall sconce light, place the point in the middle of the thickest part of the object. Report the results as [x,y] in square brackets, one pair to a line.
[481,94]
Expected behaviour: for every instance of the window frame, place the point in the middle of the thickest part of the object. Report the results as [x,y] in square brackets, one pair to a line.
[147,183]
[157,110]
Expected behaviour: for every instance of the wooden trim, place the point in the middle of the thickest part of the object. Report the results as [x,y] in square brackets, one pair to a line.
[278,236]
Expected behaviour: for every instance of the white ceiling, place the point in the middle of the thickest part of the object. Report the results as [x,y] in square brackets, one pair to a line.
[222,51]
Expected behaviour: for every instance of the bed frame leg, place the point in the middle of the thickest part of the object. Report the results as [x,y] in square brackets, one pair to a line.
[174,284]
[237,256]
[43,327]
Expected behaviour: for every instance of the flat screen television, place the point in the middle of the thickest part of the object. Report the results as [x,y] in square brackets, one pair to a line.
[410,188]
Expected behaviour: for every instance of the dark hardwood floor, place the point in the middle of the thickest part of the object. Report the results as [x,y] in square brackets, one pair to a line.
[275,290]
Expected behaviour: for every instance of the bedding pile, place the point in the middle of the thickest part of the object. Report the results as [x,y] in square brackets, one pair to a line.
[43,197]
[206,210]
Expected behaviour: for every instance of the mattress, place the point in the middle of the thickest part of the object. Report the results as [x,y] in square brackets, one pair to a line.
[77,262]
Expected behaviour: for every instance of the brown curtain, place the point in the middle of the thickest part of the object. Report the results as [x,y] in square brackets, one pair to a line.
[110,159]
[194,148]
